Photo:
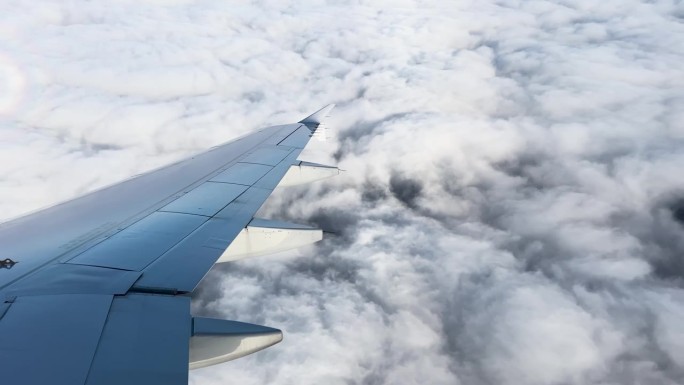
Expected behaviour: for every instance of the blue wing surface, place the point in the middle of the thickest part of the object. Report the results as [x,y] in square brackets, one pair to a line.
[99,293]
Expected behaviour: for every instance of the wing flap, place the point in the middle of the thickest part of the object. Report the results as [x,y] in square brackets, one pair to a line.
[145,341]
[51,339]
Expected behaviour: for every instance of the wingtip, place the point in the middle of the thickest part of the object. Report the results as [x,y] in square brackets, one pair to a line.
[319,116]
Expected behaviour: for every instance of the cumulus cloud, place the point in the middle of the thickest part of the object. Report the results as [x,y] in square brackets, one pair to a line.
[512,210]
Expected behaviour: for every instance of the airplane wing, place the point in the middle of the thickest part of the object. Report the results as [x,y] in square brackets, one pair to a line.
[96,290]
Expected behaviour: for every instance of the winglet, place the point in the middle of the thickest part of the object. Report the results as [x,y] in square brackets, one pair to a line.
[317,117]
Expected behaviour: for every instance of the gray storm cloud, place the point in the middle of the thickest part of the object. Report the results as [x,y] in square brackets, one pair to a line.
[513,206]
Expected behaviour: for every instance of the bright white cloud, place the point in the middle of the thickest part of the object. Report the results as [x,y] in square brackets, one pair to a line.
[512,212]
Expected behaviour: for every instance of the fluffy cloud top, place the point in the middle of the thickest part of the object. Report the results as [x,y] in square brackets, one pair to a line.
[513,209]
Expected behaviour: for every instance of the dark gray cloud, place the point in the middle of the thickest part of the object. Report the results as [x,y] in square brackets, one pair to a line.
[512,207]
[405,189]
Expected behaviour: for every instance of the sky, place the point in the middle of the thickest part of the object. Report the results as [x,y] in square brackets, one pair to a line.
[512,210]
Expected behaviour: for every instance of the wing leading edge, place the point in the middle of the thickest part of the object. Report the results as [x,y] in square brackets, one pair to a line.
[99,291]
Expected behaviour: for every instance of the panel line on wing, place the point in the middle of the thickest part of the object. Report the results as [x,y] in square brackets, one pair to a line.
[287,139]
[141,341]
[206,199]
[297,139]
[242,173]
[256,163]
[267,155]
[134,247]
[52,339]
[239,184]
[179,212]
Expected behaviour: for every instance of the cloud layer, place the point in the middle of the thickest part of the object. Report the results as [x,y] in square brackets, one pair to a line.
[513,209]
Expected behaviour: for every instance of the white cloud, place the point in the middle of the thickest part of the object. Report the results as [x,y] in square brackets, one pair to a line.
[509,213]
